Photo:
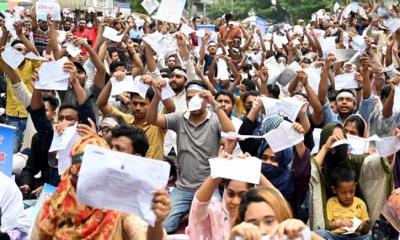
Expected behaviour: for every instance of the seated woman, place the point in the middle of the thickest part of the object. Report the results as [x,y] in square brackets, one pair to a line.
[63,217]
[264,212]
[209,219]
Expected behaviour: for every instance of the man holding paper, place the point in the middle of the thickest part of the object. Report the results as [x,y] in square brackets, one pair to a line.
[198,138]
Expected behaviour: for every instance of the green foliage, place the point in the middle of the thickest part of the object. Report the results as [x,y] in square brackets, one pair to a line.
[289,10]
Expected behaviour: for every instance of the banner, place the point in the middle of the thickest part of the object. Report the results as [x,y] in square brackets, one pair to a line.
[44,8]
[170,11]
[262,25]
[6,148]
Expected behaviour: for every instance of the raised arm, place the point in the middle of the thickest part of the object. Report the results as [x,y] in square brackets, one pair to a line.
[323,84]
[387,109]
[317,115]
[80,93]
[53,40]
[28,44]
[102,100]
[151,63]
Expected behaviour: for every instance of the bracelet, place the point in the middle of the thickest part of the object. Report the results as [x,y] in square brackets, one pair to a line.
[218,107]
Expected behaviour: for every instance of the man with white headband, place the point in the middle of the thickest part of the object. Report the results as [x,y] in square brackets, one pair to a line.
[198,139]
[109,123]
[345,98]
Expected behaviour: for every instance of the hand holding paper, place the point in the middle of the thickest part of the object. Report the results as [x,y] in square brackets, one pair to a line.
[195,103]
[52,75]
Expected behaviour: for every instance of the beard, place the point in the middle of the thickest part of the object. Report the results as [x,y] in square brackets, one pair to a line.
[177,87]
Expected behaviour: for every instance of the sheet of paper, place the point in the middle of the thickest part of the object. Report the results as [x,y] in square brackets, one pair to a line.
[316,137]
[356,224]
[340,142]
[343,55]
[327,44]
[345,81]
[288,73]
[32,56]
[318,33]
[119,87]
[396,105]
[170,11]
[357,144]
[289,106]
[393,24]
[63,156]
[161,44]
[388,146]
[195,103]
[140,87]
[222,67]
[150,5]
[60,142]
[12,57]
[52,75]
[167,92]
[120,181]
[314,77]
[186,29]
[274,69]
[72,49]
[283,137]
[245,170]
[9,23]
[358,43]
[237,136]
[45,8]
[112,34]
[279,40]
[61,36]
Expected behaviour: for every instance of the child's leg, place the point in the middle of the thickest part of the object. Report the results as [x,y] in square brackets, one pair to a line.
[328,235]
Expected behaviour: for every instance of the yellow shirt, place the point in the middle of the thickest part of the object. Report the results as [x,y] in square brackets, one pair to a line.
[155,135]
[336,211]
[240,108]
[14,107]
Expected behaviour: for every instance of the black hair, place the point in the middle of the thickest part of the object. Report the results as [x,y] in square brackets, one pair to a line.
[165,72]
[228,17]
[197,82]
[117,118]
[149,94]
[114,65]
[359,122]
[195,18]
[111,50]
[341,174]
[225,183]
[331,94]
[70,106]
[52,101]
[249,84]
[254,93]
[225,93]
[385,92]
[274,90]
[16,41]
[137,136]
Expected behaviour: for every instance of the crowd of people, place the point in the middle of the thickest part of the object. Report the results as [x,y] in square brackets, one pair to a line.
[227,86]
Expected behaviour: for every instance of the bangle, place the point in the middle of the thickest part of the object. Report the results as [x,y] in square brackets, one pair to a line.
[218,107]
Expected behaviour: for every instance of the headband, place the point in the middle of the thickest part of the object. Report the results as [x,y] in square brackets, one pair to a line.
[346,95]
[19,45]
[179,72]
[196,87]
[110,121]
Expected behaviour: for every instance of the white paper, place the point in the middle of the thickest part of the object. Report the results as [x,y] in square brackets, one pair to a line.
[31,55]
[388,146]
[62,35]
[237,136]
[125,85]
[112,34]
[12,57]
[186,29]
[60,142]
[140,87]
[358,43]
[222,67]
[314,77]
[356,224]
[319,33]
[45,8]
[161,44]
[274,69]
[195,103]
[317,137]
[283,137]
[357,144]
[393,24]
[336,7]
[288,73]
[345,81]
[343,55]
[64,157]
[170,11]
[120,181]
[52,75]
[289,106]
[72,49]
[150,5]
[167,92]
[279,40]
[327,45]
[396,102]
[245,170]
